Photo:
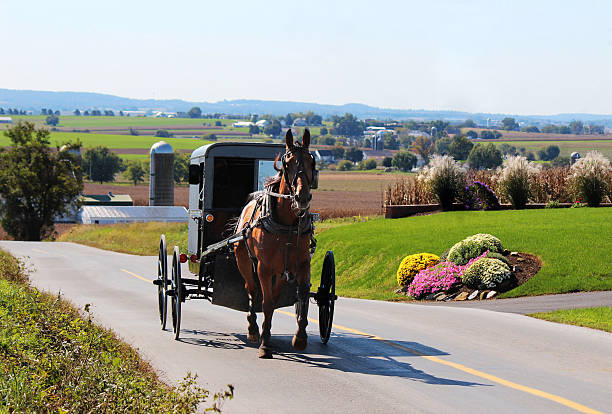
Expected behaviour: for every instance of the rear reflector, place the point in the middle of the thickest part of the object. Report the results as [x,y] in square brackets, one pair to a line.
[183,258]
[194,258]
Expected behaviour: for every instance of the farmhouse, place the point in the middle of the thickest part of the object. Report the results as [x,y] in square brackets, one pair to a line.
[324,155]
[376,155]
[6,120]
[299,122]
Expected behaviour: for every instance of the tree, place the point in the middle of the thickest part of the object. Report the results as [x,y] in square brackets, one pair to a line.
[443,145]
[338,153]
[86,113]
[549,153]
[423,146]
[438,128]
[389,142]
[472,134]
[324,131]
[194,112]
[37,184]
[485,156]
[52,120]
[486,134]
[181,167]
[99,164]
[507,149]
[404,160]
[253,129]
[354,154]
[386,162]
[43,111]
[510,124]
[347,125]
[576,127]
[564,129]
[530,128]
[135,172]
[468,123]
[76,112]
[369,164]
[344,165]
[460,147]
[273,128]
[162,133]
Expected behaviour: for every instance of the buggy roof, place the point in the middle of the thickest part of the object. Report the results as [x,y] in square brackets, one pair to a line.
[237,149]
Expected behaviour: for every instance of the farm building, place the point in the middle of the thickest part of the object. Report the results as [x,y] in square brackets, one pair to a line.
[109,199]
[243,124]
[262,123]
[324,155]
[6,120]
[131,214]
[299,122]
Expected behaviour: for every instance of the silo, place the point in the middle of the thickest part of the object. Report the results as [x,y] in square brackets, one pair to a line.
[161,185]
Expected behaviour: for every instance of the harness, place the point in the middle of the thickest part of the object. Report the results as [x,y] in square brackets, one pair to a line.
[264,202]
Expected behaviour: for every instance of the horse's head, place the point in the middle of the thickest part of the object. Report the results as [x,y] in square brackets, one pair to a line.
[299,171]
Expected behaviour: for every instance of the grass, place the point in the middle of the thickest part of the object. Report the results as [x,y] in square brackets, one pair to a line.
[566,147]
[575,246]
[118,121]
[135,238]
[53,358]
[596,318]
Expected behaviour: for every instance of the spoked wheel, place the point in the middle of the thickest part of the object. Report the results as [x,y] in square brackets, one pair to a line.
[162,281]
[177,288]
[326,296]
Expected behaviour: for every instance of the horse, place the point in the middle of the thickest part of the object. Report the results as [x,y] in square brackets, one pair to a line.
[276,248]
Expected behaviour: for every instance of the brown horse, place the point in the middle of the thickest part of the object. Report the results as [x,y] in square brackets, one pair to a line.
[277,256]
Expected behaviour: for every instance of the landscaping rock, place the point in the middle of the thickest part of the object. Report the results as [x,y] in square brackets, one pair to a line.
[473,295]
[441,297]
[513,253]
[520,259]
[431,296]
[462,296]
[491,294]
[483,294]
[516,269]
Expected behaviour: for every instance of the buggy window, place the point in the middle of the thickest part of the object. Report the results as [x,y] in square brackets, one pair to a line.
[233,182]
[265,170]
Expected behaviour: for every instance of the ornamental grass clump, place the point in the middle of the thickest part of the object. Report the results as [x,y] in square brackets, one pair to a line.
[473,246]
[485,273]
[413,264]
[438,278]
[590,177]
[515,180]
[444,178]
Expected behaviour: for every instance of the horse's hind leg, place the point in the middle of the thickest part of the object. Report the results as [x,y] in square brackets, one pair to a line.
[300,339]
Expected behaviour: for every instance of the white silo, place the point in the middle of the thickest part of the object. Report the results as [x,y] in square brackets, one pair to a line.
[161,184]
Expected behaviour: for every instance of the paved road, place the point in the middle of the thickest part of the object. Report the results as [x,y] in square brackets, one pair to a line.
[382,357]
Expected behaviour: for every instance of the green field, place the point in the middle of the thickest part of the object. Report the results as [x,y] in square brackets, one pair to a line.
[596,318]
[116,141]
[368,253]
[120,121]
[567,147]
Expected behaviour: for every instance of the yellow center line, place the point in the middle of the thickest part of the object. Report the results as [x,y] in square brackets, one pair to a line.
[38,250]
[137,276]
[533,391]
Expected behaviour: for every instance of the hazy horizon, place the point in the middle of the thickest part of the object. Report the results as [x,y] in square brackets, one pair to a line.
[509,57]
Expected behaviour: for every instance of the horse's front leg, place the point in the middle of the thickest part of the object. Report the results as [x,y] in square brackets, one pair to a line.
[265,280]
[300,339]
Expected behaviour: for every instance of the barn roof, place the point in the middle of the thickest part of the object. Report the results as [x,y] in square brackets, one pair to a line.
[122,214]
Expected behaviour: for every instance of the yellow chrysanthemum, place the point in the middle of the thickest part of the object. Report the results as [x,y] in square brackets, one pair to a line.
[413,264]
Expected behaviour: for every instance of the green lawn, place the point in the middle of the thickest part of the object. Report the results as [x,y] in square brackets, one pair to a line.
[116,141]
[575,246]
[596,318]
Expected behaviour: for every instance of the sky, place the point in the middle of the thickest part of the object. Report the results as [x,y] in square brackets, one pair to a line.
[517,57]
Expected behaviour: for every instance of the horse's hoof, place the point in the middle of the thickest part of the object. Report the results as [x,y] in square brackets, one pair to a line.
[299,344]
[265,353]
[253,337]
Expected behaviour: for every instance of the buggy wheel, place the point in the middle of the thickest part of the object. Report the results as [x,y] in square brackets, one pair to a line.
[162,281]
[177,297]
[326,296]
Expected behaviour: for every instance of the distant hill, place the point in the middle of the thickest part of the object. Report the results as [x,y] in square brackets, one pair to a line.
[68,101]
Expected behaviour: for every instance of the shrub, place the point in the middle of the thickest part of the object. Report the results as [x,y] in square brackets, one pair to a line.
[473,246]
[413,264]
[162,133]
[344,165]
[498,256]
[486,273]
[437,278]
[485,156]
[515,180]
[590,177]
[553,204]
[444,178]
[479,196]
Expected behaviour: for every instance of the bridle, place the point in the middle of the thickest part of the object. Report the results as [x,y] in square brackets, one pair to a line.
[299,170]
